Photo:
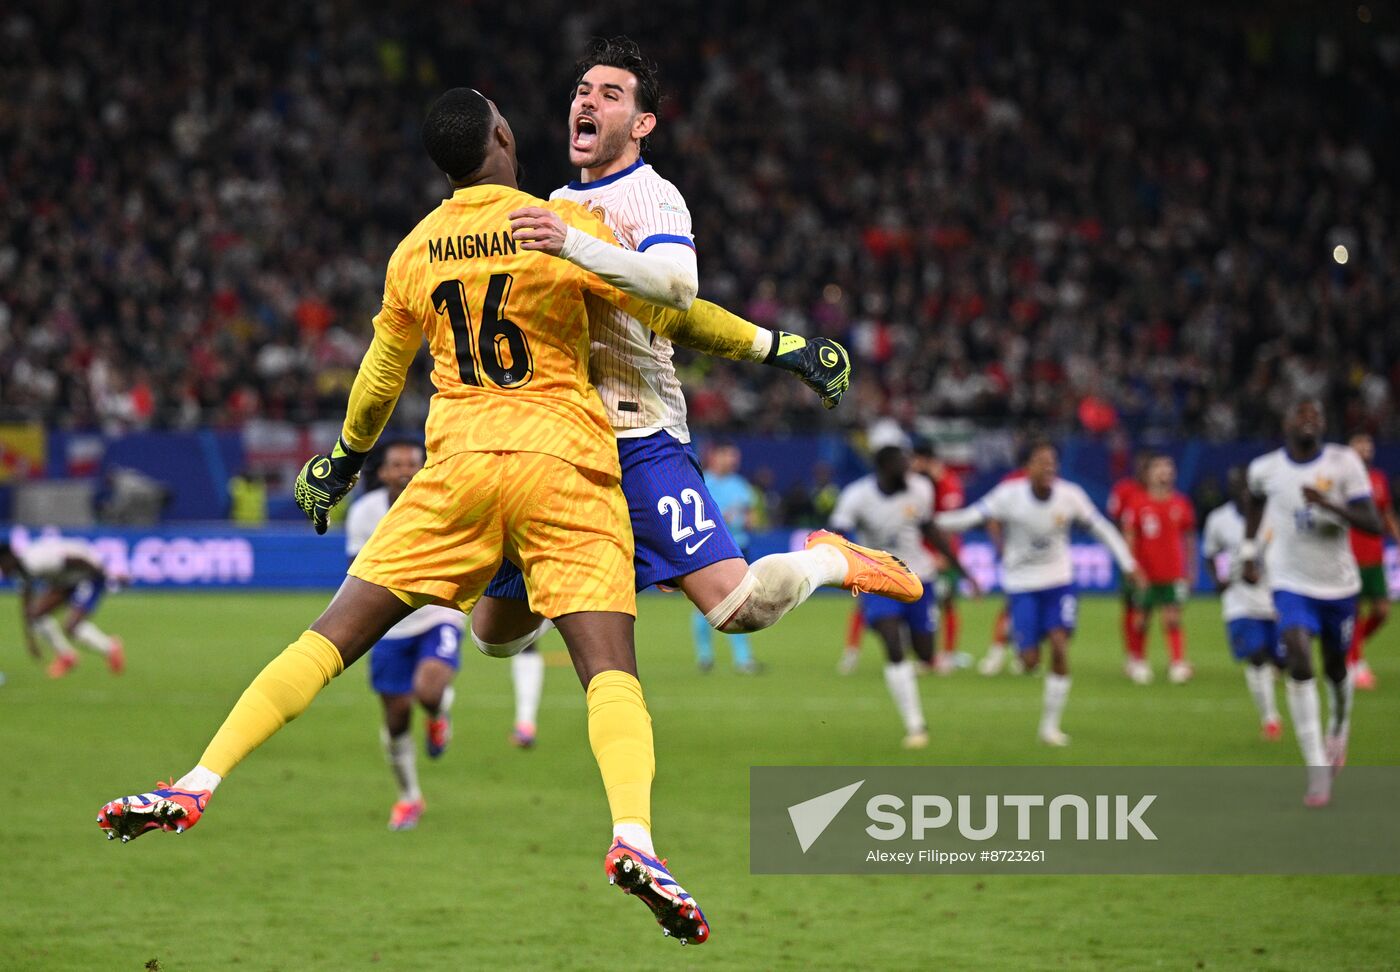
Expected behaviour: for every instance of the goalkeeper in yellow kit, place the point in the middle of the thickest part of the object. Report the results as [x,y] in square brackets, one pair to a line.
[522,464]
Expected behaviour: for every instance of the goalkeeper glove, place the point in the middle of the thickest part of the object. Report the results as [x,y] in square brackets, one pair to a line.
[325,480]
[821,363]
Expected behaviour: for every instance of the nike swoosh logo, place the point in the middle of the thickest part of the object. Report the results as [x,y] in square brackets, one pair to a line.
[690,550]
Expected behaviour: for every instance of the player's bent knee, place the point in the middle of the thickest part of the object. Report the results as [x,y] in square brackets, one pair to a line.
[512,646]
[506,649]
[768,590]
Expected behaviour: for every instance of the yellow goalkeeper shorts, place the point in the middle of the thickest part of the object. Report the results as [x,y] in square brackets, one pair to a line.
[566,528]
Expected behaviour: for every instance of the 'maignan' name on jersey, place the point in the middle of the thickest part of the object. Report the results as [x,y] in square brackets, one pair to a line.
[470,246]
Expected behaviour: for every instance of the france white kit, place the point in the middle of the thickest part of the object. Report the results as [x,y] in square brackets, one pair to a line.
[676,522]
[429,632]
[629,364]
[51,561]
[1036,566]
[1311,568]
[893,522]
[1248,609]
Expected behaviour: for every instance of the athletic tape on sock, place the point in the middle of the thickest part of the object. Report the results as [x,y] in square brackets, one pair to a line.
[727,608]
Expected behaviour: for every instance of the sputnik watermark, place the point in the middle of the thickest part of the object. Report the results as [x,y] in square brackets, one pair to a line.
[1097,817]
[1112,817]
[1068,820]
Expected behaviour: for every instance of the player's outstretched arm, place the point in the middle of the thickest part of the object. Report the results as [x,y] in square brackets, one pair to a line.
[821,363]
[960,521]
[1107,533]
[664,274]
[325,480]
[939,540]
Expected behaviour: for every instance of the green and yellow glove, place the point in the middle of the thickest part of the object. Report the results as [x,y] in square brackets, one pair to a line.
[325,480]
[821,363]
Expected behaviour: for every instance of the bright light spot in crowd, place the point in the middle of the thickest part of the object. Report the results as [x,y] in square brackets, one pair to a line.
[1339,253]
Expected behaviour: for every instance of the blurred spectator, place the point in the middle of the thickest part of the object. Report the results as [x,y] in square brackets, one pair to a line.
[809,504]
[1030,213]
[248,500]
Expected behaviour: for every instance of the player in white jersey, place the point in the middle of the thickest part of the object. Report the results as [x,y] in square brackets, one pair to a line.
[1036,514]
[52,572]
[1248,609]
[681,537]
[893,509]
[1306,497]
[418,657]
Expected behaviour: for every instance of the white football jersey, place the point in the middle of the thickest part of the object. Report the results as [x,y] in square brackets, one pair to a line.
[365,514]
[890,521]
[629,364]
[46,560]
[1223,534]
[1309,549]
[1035,533]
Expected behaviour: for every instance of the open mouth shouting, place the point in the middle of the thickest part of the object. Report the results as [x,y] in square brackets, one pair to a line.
[585,134]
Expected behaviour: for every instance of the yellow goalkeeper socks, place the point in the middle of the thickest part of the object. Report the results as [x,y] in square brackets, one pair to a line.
[619,730]
[279,694]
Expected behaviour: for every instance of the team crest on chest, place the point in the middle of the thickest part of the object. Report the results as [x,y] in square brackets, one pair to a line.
[1323,484]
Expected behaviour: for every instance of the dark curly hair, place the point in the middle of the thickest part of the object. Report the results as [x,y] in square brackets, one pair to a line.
[623,52]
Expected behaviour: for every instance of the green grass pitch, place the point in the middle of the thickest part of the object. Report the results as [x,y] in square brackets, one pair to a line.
[293,869]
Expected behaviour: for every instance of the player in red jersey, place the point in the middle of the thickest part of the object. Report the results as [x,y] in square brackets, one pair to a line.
[947,495]
[1369,550]
[1124,493]
[1160,527]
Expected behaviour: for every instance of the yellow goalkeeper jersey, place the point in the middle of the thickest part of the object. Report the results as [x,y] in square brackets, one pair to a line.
[507,328]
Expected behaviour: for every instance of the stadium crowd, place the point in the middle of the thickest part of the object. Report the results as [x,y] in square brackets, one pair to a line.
[1162,222]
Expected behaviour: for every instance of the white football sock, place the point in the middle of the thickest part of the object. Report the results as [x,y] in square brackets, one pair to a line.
[1056,694]
[904,689]
[403,759]
[1303,709]
[449,695]
[51,631]
[1260,679]
[527,675]
[636,835]
[199,778]
[780,582]
[1340,695]
[91,636]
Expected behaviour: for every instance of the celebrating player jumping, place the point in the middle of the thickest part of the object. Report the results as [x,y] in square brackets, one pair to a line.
[1036,514]
[1306,496]
[682,540]
[522,464]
